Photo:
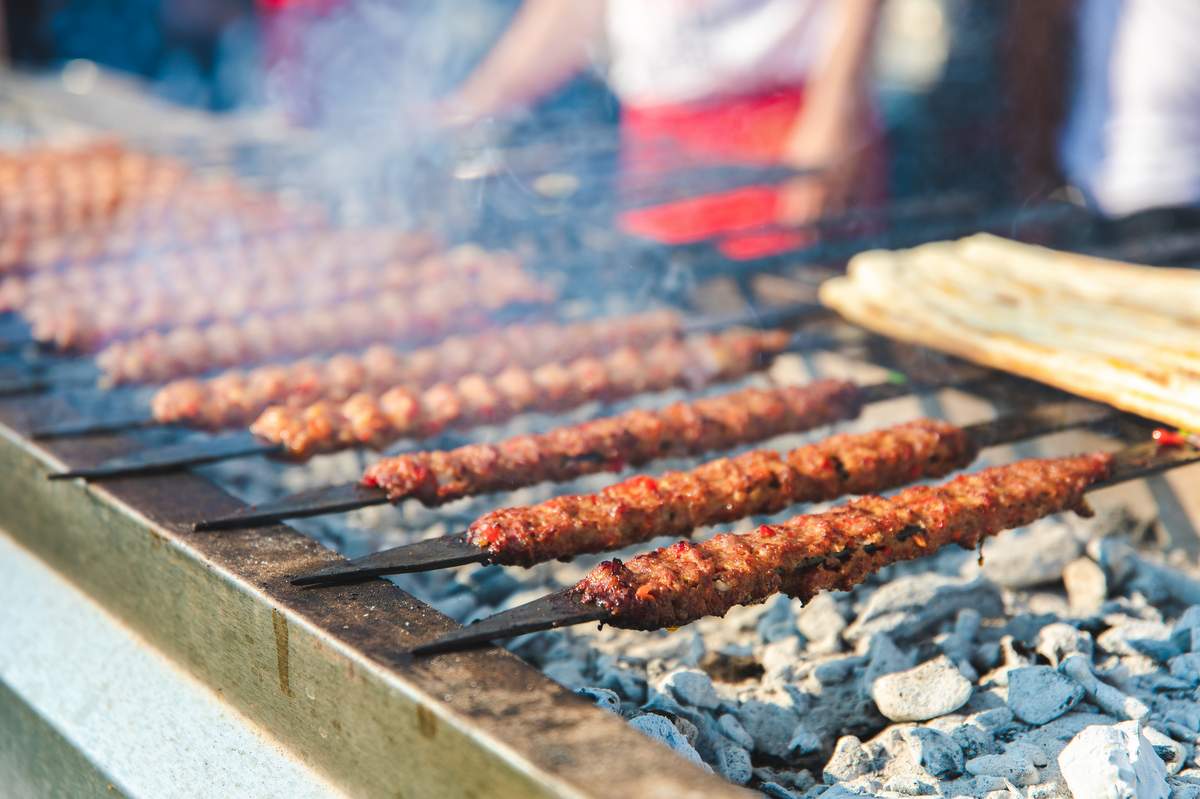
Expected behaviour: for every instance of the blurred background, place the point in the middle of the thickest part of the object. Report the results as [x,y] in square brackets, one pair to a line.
[373,69]
[740,123]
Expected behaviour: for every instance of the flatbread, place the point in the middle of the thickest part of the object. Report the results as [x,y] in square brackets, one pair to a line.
[1125,335]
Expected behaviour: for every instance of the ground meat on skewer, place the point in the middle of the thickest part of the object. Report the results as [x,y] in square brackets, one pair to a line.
[245,265]
[236,398]
[167,214]
[367,420]
[723,490]
[83,325]
[603,445]
[678,584]
[422,315]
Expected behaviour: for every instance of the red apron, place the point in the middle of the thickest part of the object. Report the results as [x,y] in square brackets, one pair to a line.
[752,130]
[662,140]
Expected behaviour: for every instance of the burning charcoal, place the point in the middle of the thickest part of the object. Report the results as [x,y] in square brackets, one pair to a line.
[884,657]
[821,621]
[732,762]
[771,725]
[1105,697]
[959,643]
[1056,641]
[995,720]
[492,585]
[935,752]
[1038,694]
[911,606]
[850,759]
[972,739]
[663,703]
[566,672]
[984,786]
[1137,637]
[1186,631]
[1035,753]
[623,681]
[1114,762]
[1012,766]
[1024,627]
[804,741]
[1115,556]
[931,689]
[864,791]
[1012,657]
[601,697]
[837,670]
[1030,556]
[780,658]
[908,786]
[693,688]
[1186,667]
[690,731]
[731,728]
[776,791]
[1186,790]
[661,729]
[1087,586]
[778,622]
[988,654]
[797,781]
[1172,753]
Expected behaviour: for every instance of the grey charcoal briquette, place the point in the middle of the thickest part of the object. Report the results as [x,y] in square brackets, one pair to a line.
[923,692]
[1038,694]
[661,729]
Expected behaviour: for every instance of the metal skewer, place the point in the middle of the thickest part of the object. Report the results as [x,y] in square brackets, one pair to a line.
[565,608]
[117,423]
[219,448]
[1047,419]
[40,378]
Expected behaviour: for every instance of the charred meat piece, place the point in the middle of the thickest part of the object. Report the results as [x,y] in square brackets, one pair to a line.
[835,550]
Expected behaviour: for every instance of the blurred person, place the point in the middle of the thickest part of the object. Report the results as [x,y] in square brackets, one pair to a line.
[1132,138]
[709,82]
[197,52]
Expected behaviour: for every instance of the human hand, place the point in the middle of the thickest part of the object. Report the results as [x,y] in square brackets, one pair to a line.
[837,138]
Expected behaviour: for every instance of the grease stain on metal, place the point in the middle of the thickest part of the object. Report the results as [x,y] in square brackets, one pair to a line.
[426,722]
[281,650]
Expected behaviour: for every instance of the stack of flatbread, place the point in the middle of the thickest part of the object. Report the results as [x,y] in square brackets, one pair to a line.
[1119,333]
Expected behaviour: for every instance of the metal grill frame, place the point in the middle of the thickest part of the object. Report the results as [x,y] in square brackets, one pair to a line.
[324,672]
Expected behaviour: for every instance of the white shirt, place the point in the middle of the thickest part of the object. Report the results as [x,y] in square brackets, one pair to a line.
[678,51]
[1133,137]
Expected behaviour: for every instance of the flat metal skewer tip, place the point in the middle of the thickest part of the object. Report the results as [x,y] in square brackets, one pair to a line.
[436,553]
[315,502]
[561,609]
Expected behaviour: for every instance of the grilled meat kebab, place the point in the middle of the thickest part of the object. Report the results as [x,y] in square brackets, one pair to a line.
[378,420]
[236,398]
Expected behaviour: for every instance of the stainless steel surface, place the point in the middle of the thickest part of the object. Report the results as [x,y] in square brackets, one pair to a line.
[89,710]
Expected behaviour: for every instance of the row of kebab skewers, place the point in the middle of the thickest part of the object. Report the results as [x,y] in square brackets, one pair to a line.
[294,287]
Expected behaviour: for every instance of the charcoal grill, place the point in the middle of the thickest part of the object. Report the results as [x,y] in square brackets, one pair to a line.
[324,675]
